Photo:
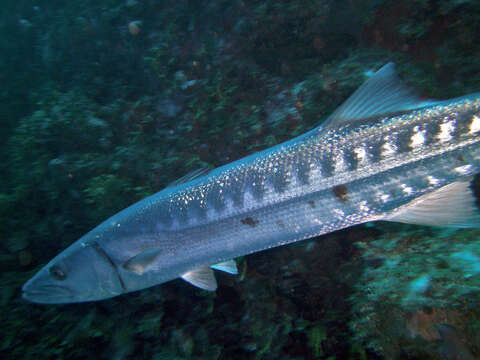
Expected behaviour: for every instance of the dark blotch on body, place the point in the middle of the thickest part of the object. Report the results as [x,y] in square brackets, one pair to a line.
[341,192]
[250,221]
[312,204]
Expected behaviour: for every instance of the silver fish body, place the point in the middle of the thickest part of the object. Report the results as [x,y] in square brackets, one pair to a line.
[398,159]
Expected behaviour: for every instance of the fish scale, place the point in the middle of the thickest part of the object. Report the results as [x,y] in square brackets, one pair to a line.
[322,144]
[383,155]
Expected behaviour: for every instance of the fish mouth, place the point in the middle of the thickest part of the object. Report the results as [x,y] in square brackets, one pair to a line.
[47,293]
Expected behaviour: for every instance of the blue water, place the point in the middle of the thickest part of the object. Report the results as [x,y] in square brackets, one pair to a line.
[105,102]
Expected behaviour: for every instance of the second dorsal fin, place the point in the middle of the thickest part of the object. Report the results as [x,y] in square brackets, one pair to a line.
[383,93]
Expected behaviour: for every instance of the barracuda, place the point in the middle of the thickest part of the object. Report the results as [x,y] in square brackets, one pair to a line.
[383,155]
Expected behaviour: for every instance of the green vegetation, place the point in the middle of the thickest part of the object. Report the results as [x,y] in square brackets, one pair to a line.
[96,117]
[422,278]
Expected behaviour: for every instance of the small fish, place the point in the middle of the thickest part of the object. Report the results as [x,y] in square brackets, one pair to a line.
[384,154]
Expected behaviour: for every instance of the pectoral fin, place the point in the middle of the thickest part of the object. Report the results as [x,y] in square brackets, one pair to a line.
[202,277]
[451,205]
[142,262]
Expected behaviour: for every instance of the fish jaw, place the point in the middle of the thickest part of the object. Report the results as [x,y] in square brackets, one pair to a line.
[81,273]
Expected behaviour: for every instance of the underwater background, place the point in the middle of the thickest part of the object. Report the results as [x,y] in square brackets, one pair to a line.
[105,102]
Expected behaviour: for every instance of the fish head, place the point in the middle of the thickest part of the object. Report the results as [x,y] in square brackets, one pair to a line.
[82,272]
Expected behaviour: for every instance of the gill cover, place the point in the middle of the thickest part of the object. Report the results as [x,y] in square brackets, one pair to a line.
[81,273]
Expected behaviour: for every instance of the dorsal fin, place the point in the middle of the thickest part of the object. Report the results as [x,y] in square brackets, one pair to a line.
[383,93]
[195,174]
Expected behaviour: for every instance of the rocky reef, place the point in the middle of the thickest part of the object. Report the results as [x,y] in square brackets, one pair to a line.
[106,102]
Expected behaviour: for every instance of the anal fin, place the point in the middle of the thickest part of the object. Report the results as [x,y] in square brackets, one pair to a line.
[451,205]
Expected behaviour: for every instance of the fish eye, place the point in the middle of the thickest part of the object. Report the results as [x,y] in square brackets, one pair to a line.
[57,273]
